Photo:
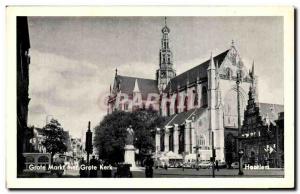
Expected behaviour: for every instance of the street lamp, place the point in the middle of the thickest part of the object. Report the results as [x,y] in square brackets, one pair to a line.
[213,158]
[157,139]
[197,156]
[88,142]
[240,151]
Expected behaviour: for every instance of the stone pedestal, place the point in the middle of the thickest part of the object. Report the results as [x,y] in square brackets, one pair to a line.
[129,155]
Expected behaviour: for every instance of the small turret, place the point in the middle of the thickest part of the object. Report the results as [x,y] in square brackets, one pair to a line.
[211,74]
[136,87]
[211,63]
[252,75]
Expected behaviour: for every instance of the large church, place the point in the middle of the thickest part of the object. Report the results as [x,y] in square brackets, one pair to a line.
[196,102]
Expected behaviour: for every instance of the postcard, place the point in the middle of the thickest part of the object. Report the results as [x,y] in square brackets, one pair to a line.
[158,97]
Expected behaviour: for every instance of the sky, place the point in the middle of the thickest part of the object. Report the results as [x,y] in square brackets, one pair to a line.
[73,59]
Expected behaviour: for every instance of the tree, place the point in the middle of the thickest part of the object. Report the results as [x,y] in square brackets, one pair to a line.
[55,139]
[111,133]
[146,122]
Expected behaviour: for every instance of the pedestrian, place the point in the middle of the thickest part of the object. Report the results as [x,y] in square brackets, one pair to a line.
[59,162]
[94,166]
[217,165]
[149,166]
[106,172]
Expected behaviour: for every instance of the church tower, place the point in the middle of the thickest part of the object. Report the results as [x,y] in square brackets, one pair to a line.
[165,71]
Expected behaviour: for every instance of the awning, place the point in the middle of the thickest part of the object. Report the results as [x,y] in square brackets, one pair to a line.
[172,155]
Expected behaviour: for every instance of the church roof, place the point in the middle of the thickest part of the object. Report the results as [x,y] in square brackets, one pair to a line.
[180,118]
[192,74]
[270,111]
[145,86]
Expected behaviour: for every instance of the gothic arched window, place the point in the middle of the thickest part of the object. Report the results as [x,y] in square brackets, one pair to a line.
[204,96]
[151,107]
[201,140]
[228,73]
[185,104]
[121,103]
[176,104]
[168,108]
[195,98]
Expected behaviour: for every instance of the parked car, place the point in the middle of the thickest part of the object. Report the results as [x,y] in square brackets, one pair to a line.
[235,165]
[162,164]
[205,164]
[187,165]
[178,164]
[222,164]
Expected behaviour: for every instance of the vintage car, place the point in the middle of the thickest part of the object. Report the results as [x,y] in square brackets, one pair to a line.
[235,165]
[204,164]
[222,165]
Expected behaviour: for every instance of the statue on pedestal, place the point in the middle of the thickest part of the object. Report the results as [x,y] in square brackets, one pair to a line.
[130,136]
[129,155]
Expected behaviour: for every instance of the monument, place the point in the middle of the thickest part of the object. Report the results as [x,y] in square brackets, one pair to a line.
[129,155]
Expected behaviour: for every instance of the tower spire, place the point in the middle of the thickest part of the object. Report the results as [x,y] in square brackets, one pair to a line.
[166,71]
[136,88]
[252,68]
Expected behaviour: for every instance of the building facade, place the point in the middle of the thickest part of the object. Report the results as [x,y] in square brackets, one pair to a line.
[37,140]
[77,149]
[262,137]
[196,102]
[24,133]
